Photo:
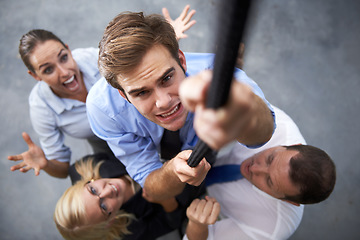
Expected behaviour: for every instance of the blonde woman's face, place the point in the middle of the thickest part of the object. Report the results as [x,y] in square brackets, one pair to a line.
[104,197]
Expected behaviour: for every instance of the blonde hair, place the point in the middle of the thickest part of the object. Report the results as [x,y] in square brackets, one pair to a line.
[70,215]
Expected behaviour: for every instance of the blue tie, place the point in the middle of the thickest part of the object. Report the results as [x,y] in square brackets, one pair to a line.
[224,173]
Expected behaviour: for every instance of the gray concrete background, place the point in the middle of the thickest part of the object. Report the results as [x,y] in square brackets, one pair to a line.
[305,56]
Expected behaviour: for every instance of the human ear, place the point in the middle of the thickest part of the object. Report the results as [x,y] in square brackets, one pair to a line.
[182,60]
[123,95]
[291,202]
[296,144]
[34,75]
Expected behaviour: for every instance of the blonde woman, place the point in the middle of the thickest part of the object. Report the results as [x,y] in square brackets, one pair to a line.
[111,208]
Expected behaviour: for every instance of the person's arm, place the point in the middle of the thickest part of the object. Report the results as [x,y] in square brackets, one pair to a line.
[173,175]
[240,57]
[169,204]
[201,213]
[34,158]
[182,23]
[133,140]
[152,221]
[52,156]
[245,117]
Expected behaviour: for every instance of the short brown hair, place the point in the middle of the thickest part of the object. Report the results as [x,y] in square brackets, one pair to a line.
[126,40]
[30,40]
[313,171]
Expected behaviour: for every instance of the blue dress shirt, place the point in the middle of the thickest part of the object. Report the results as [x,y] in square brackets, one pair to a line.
[134,139]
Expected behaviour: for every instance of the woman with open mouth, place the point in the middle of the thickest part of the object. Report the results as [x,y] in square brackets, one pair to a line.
[57,101]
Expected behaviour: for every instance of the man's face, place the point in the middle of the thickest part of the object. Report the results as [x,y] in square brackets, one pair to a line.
[153,88]
[269,171]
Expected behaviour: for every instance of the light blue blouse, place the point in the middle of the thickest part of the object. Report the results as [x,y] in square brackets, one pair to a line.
[52,116]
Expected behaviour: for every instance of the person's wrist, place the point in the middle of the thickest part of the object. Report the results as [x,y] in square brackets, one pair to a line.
[170,205]
[196,224]
[45,164]
[171,169]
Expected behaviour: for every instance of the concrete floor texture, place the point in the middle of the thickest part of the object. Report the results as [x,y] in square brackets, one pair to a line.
[305,55]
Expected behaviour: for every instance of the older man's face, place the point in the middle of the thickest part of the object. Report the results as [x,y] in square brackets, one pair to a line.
[269,171]
[153,88]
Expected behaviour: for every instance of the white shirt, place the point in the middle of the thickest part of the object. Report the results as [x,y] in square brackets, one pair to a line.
[52,116]
[246,211]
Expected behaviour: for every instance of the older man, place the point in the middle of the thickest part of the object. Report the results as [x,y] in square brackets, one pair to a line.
[267,202]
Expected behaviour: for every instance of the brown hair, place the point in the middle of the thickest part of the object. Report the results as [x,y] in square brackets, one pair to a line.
[30,40]
[126,40]
[314,172]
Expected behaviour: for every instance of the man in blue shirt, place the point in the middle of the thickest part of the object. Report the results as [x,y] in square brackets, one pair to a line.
[140,59]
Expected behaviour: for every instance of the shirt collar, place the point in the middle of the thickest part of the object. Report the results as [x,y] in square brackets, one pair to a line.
[58,104]
[90,75]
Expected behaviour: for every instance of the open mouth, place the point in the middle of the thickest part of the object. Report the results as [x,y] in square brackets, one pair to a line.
[70,80]
[115,188]
[71,84]
[174,118]
[174,110]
